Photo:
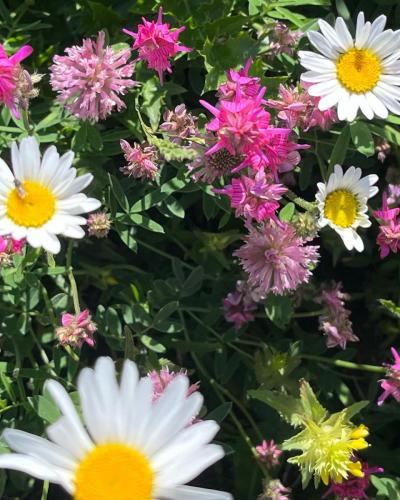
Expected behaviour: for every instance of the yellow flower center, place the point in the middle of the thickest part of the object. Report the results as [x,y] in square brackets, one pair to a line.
[114,472]
[358,70]
[341,208]
[31,204]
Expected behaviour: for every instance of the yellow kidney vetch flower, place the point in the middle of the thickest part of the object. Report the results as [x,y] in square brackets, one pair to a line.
[328,449]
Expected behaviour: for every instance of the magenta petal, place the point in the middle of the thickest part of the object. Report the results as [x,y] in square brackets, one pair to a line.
[21,54]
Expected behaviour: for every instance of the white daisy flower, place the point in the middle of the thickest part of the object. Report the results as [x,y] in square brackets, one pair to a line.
[361,73]
[42,197]
[130,448]
[342,204]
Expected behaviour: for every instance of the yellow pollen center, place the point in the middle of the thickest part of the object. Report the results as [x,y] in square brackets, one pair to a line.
[114,472]
[358,70]
[31,204]
[341,208]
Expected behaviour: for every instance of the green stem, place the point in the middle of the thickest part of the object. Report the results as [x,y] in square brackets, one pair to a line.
[74,288]
[162,253]
[219,337]
[299,201]
[25,118]
[309,314]
[71,353]
[345,364]
[219,391]
[321,165]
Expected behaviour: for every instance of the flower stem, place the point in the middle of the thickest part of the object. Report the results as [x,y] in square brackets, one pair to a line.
[71,277]
[299,201]
[25,118]
[345,364]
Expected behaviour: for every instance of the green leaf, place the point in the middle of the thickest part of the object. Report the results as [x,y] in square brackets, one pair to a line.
[255,6]
[45,408]
[386,487]
[119,193]
[287,212]
[342,9]
[94,138]
[340,149]
[148,201]
[390,306]
[355,408]
[312,407]
[362,138]
[279,309]
[152,344]
[288,407]
[80,138]
[146,223]
[220,413]
[193,282]
[165,312]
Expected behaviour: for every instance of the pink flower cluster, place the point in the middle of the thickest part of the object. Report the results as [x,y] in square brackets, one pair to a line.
[353,487]
[335,323]
[10,70]
[297,108]
[76,329]
[283,39]
[239,306]
[242,126]
[391,385]
[8,248]
[179,124]
[254,198]
[388,238]
[269,453]
[161,379]
[276,259]
[141,160]
[274,490]
[156,44]
[91,77]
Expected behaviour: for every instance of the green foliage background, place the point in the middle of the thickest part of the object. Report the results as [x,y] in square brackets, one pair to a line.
[155,286]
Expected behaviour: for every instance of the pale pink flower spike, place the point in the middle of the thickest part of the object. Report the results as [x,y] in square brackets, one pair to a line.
[91,77]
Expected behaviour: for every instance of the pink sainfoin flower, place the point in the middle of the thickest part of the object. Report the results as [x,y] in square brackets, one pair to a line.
[276,259]
[269,453]
[91,77]
[161,379]
[284,39]
[239,305]
[354,487]
[393,194]
[99,224]
[10,71]
[179,124]
[335,323]
[249,85]
[388,238]
[274,490]
[156,44]
[391,384]
[298,109]
[8,248]
[76,329]
[256,198]
[382,149]
[141,160]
